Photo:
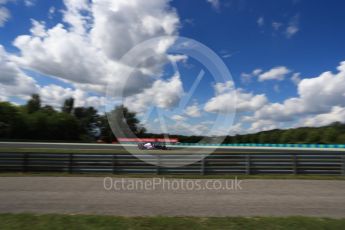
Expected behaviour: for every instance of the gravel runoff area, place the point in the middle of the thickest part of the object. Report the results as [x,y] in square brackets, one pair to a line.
[172,197]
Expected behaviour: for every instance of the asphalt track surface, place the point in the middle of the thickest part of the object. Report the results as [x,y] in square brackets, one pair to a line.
[115,147]
[87,195]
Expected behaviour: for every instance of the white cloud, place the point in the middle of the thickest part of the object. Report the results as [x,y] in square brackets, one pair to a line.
[193,110]
[86,53]
[287,29]
[227,100]
[276,25]
[181,126]
[178,118]
[262,125]
[223,103]
[293,26]
[261,21]
[321,100]
[55,95]
[51,12]
[13,81]
[38,28]
[247,77]
[248,102]
[224,100]
[22,88]
[276,73]
[256,72]
[163,94]
[177,58]
[215,4]
[29,3]
[220,87]
[4,16]
[186,128]
[319,94]
[135,21]
[296,79]
[63,54]
[291,30]
[337,114]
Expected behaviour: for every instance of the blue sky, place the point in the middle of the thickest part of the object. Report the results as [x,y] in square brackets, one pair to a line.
[234,29]
[278,53]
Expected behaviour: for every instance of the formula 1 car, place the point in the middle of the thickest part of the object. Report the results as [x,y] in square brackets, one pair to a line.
[152,146]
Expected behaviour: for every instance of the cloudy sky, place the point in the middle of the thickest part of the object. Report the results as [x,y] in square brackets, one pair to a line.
[286,58]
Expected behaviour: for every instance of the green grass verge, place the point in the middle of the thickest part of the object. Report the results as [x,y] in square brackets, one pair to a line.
[49,150]
[86,151]
[56,222]
[176,176]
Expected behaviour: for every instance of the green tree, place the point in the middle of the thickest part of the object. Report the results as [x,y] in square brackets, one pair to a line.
[313,137]
[68,105]
[287,137]
[63,126]
[300,135]
[125,122]
[34,104]
[106,134]
[264,137]
[11,121]
[88,119]
[48,109]
[341,139]
[329,135]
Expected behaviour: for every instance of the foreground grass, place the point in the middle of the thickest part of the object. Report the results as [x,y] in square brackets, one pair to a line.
[176,176]
[53,221]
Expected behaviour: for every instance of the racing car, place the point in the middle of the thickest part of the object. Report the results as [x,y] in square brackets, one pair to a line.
[149,143]
[152,146]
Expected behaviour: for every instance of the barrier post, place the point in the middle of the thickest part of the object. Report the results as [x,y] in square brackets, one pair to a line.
[114,163]
[294,163]
[343,172]
[248,164]
[70,162]
[25,162]
[158,164]
[203,163]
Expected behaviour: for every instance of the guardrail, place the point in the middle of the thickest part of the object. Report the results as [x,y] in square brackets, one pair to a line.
[217,163]
[337,146]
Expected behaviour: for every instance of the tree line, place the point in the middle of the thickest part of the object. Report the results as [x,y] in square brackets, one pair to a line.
[330,134]
[33,121]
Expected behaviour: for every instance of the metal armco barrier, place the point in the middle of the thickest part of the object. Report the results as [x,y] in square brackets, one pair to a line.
[336,146]
[326,163]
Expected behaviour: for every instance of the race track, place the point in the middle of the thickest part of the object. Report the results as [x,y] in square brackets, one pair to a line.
[115,147]
[87,195]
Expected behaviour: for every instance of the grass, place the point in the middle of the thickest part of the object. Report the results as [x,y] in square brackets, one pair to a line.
[86,151]
[49,150]
[176,176]
[58,221]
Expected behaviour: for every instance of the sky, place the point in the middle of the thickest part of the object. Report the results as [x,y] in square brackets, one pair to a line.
[286,60]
